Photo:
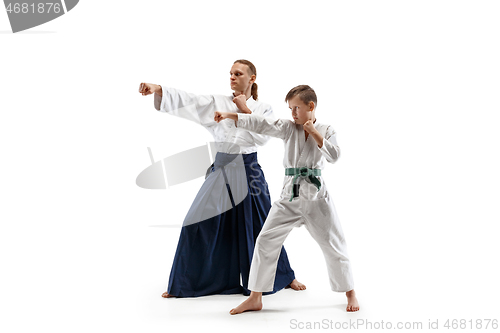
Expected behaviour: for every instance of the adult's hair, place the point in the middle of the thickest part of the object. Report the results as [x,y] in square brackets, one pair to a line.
[252,71]
[305,93]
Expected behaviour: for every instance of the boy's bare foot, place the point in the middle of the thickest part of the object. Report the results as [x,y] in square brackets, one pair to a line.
[296,285]
[252,303]
[166,295]
[352,301]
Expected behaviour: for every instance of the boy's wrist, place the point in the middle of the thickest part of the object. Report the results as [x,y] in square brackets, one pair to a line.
[314,132]
[231,115]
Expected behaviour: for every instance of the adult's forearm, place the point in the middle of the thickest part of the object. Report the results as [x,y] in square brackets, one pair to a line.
[246,110]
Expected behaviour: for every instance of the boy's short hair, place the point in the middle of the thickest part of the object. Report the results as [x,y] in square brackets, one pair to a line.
[305,93]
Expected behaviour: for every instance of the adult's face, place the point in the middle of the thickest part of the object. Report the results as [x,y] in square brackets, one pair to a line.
[241,80]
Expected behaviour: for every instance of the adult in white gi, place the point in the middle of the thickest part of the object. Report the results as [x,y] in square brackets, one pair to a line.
[308,144]
[216,243]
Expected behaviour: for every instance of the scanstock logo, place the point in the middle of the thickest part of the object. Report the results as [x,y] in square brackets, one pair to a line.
[26,14]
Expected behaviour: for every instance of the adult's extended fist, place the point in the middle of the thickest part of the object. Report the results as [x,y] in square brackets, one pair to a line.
[148,88]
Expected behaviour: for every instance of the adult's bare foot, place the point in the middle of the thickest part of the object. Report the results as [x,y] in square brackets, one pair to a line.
[352,301]
[252,303]
[166,295]
[296,285]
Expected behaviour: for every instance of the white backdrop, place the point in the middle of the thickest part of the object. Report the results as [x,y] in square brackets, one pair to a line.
[412,89]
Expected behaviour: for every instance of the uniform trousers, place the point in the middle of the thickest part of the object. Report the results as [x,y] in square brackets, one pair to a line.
[321,220]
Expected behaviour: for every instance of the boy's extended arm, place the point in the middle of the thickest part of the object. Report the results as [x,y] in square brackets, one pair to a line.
[277,128]
[262,139]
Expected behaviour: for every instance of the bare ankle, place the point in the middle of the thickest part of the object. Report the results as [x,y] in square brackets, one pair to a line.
[255,295]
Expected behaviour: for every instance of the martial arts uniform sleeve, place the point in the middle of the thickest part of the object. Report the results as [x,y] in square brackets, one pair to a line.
[330,148]
[277,128]
[261,139]
[197,108]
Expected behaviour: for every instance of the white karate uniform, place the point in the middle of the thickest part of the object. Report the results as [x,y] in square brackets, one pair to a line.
[201,109]
[313,208]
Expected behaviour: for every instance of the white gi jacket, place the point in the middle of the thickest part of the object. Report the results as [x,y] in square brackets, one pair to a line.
[299,152]
[201,109]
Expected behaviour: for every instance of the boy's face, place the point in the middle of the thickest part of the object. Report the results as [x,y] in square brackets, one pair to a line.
[301,112]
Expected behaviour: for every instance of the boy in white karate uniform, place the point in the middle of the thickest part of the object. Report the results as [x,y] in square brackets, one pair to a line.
[304,199]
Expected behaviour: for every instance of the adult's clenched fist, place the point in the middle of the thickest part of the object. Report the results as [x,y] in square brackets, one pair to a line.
[149,88]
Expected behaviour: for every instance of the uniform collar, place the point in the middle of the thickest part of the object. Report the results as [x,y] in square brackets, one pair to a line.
[250,101]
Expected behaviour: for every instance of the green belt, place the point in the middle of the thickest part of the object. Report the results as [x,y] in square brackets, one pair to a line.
[303,172]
